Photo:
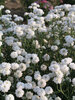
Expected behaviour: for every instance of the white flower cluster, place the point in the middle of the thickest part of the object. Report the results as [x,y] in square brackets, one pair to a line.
[60,69]
[37,60]
[5,86]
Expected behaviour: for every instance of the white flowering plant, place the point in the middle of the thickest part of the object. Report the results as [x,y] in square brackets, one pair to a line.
[37,59]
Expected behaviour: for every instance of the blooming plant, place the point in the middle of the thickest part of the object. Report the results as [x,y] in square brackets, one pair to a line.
[37,59]
[45,4]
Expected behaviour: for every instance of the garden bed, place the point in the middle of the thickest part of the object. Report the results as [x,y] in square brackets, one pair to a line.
[37,59]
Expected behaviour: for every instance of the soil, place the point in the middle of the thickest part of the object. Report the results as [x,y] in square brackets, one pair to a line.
[15,6]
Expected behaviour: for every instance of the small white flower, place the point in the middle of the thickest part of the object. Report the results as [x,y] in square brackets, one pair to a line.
[35,97]
[73,81]
[59,74]
[8,11]
[43,98]
[37,76]
[54,48]
[41,92]
[66,61]
[35,58]
[20,85]
[63,52]
[42,83]
[14,66]
[43,67]
[28,78]
[72,66]
[64,69]
[54,67]
[46,57]
[9,97]
[19,93]
[73,98]
[29,95]
[20,58]
[18,74]
[46,77]
[57,80]
[48,90]
[14,55]
[22,67]
[28,86]
[58,98]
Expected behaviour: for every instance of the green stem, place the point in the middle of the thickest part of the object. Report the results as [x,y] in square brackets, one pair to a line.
[61,91]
